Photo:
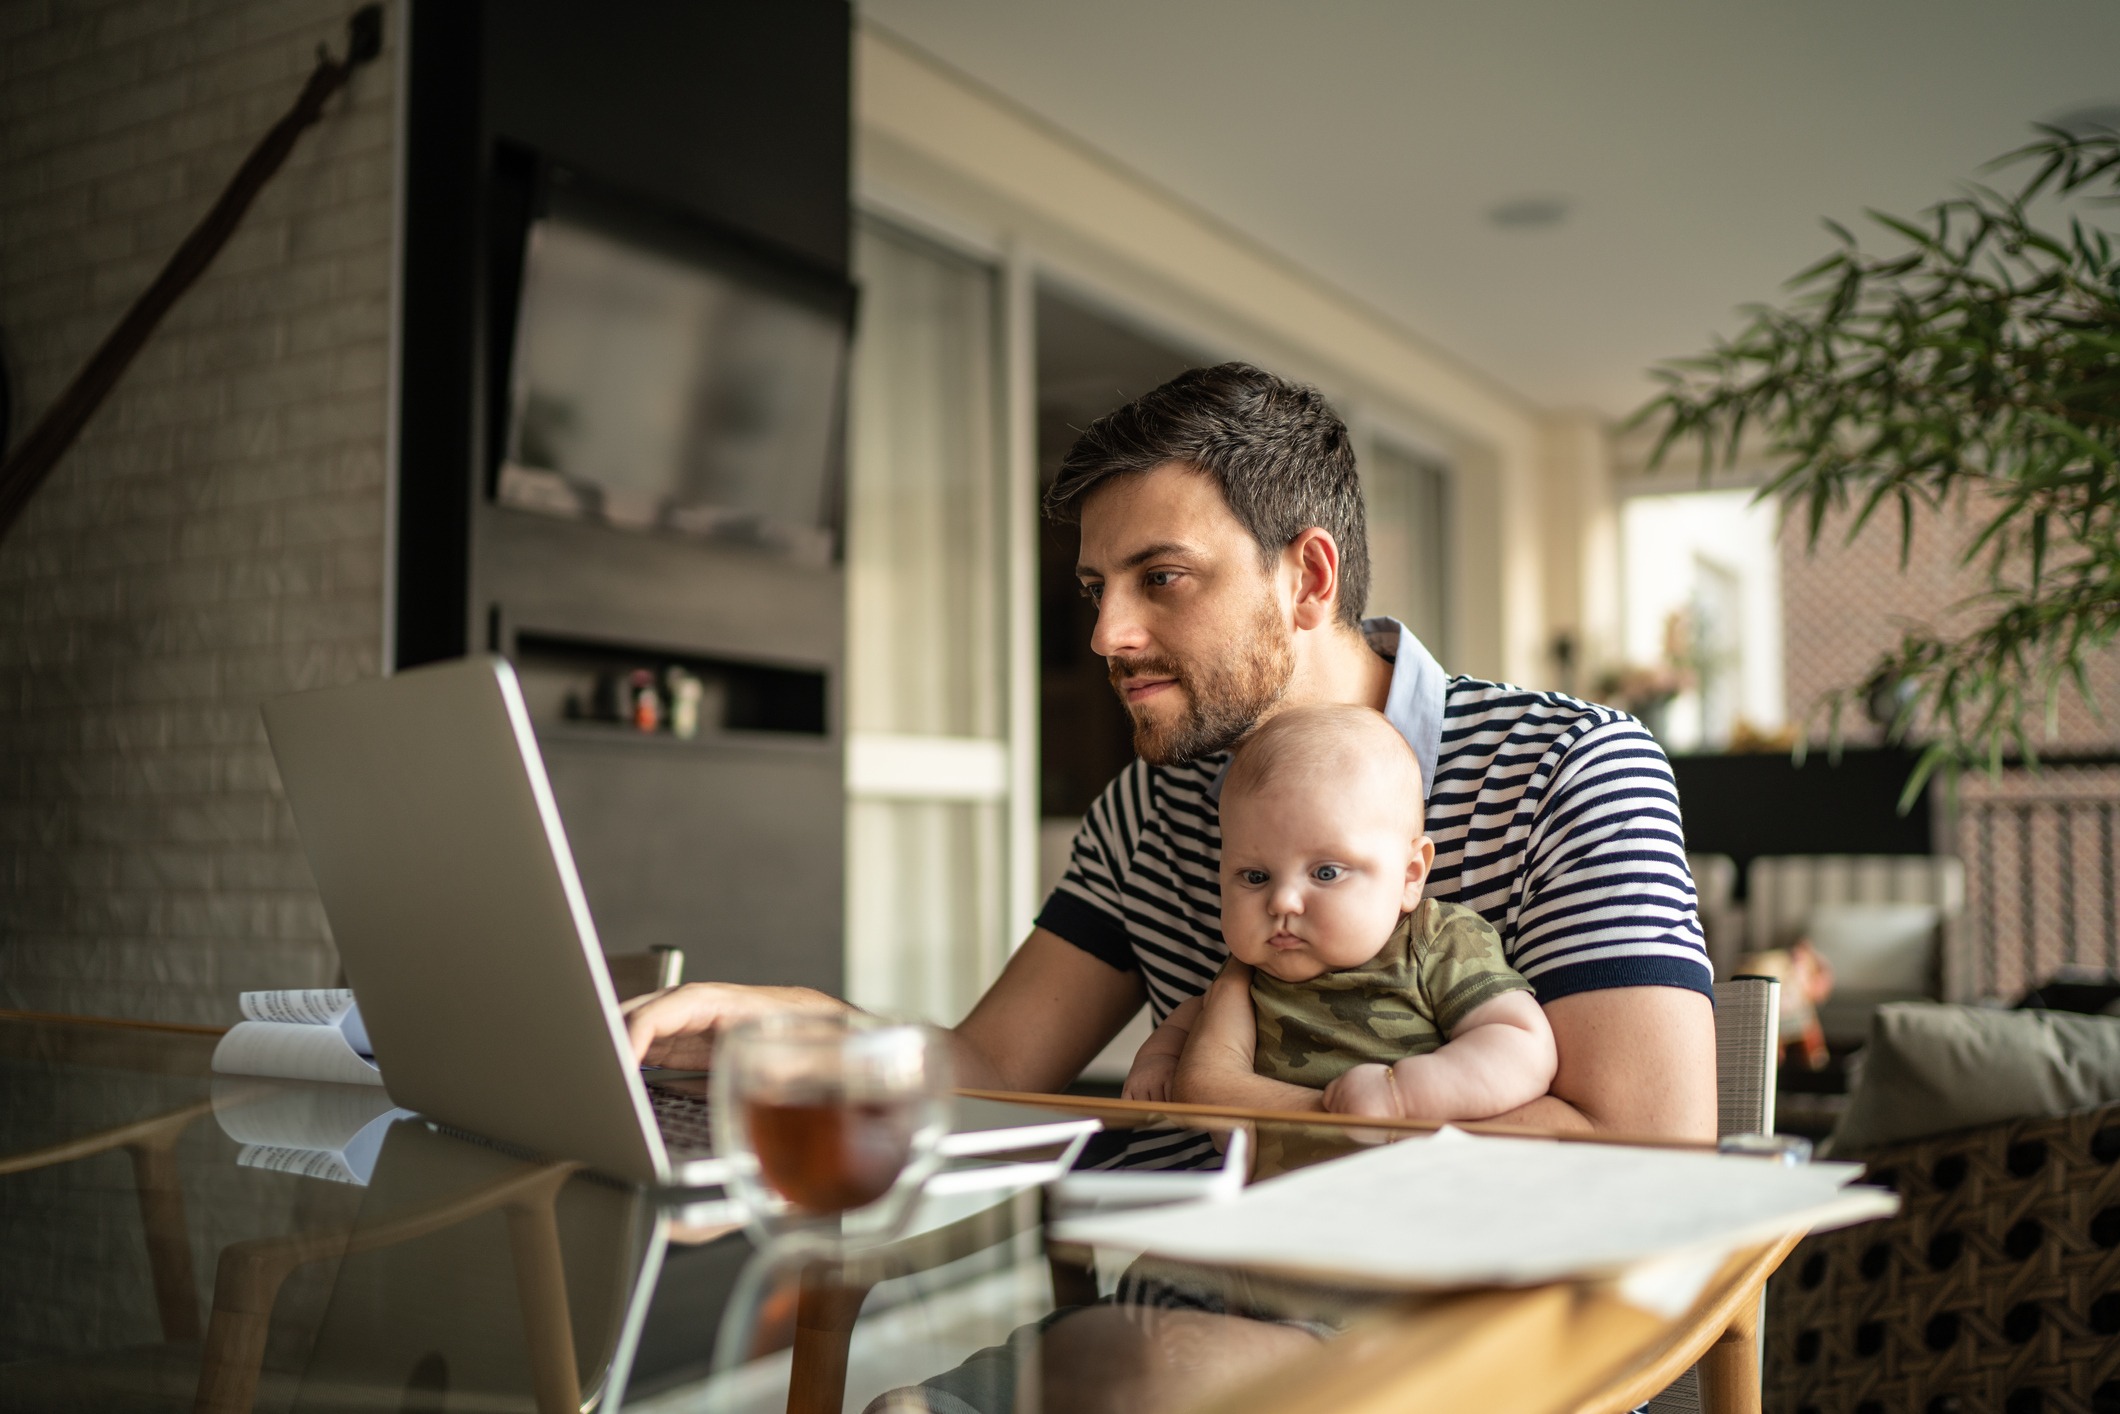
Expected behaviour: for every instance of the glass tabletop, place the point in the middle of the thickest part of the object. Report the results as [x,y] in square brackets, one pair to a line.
[176,1239]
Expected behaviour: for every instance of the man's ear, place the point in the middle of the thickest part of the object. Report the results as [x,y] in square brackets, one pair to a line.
[1417,873]
[1313,559]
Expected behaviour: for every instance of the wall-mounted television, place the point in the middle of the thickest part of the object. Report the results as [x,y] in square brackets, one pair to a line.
[660,380]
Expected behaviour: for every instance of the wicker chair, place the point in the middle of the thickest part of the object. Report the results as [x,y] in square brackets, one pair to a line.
[1997,1287]
[1745,1012]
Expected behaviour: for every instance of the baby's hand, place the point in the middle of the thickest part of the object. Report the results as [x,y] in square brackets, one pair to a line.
[1150,1078]
[1363,1090]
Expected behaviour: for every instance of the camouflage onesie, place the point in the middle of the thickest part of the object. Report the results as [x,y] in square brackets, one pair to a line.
[1443,961]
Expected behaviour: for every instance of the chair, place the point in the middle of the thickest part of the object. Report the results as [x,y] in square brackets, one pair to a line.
[634,974]
[1783,891]
[1745,1015]
[1997,1286]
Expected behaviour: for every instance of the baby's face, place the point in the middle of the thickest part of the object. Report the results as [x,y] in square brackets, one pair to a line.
[1314,877]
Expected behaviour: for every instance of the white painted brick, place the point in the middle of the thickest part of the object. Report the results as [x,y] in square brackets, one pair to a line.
[216,534]
[280,869]
[163,867]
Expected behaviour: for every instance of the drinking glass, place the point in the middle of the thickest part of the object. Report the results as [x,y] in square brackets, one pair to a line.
[825,1115]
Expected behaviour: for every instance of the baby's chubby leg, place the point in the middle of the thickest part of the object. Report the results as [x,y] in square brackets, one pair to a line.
[1363,1090]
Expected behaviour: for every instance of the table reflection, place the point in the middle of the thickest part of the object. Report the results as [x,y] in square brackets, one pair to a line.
[972,1309]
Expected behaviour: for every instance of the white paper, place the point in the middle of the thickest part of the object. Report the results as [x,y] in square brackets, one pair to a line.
[293,1050]
[311,1006]
[1482,1211]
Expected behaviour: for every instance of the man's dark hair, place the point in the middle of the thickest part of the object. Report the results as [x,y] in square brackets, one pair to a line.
[1277,449]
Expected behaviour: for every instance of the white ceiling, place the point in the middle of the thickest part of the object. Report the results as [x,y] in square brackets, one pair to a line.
[1697,144]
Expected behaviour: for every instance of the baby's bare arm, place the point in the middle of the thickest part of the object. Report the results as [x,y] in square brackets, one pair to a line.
[1156,1063]
[1501,1056]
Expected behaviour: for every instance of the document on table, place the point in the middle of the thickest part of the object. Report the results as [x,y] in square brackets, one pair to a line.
[1460,1210]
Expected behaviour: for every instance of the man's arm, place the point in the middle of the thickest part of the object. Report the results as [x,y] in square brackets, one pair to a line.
[1633,1061]
[1046,1016]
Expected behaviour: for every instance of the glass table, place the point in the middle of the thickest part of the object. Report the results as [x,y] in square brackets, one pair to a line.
[172,1239]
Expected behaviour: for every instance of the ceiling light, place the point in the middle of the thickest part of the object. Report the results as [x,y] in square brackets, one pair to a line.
[1527,213]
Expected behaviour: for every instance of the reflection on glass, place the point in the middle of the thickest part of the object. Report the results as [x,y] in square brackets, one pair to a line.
[654,392]
[473,1279]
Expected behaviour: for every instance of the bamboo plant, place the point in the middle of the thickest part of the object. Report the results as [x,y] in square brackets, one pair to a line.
[1974,365]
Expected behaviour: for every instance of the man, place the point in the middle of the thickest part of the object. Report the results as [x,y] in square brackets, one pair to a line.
[1223,543]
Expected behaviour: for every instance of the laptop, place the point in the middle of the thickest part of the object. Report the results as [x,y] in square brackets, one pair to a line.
[430,826]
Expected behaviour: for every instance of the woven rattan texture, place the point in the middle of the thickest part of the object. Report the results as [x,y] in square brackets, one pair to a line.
[1997,1287]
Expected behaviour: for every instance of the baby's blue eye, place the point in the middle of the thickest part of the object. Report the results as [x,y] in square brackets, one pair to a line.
[1326,873]
[1253,877]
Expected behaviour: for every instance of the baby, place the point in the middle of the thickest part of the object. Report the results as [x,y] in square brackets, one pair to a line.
[1392,1004]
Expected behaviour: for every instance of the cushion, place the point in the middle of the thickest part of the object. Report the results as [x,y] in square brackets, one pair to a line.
[1929,1068]
[1878,947]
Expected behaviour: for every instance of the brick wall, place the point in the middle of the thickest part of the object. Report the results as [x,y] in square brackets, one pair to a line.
[1844,605]
[217,535]
[2038,845]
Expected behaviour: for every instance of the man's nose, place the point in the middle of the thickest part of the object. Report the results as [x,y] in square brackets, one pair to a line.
[1119,632]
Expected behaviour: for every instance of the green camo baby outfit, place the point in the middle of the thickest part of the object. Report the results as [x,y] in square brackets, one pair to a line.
[1442,963]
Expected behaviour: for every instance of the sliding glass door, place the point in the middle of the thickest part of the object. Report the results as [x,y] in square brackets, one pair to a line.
[928,766]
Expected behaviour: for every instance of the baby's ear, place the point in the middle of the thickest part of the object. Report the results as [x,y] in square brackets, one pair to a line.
[1417,872]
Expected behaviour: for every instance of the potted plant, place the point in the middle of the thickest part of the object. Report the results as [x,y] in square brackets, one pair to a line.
[1975,363]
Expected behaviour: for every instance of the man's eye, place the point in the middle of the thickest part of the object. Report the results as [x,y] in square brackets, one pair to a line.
[1160,579]
[1326,873]
[1253,877]
[1093,592]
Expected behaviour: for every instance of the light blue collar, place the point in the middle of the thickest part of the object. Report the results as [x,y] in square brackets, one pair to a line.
[1413,704]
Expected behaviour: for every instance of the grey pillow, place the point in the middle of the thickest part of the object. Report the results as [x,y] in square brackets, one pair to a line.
[1929,1068]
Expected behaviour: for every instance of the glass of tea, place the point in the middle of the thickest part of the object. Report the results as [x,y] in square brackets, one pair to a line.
[823,1115]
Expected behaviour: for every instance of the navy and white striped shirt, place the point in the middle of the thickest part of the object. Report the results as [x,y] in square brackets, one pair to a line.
[1556,819]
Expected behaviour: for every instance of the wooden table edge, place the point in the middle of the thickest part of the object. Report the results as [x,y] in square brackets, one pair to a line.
[1146,1109]
[118,1023]
[1564,1348]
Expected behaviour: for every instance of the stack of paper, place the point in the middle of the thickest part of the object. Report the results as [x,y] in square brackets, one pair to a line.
[1457,1210]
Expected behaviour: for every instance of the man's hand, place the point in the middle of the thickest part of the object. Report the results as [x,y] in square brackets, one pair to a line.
[1150,1078]
[676,1027]
[1155,1065]
[1216,1068]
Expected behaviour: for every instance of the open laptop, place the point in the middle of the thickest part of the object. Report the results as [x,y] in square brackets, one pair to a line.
[430,826]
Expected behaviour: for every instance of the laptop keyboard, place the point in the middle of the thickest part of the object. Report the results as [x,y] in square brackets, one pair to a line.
[685,1119]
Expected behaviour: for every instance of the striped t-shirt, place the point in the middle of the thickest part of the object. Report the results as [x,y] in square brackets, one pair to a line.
[1556,819]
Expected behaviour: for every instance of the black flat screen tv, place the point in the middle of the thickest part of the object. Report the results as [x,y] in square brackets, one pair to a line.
[659,383]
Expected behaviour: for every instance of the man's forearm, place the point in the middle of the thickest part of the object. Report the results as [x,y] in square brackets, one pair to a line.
[1547,1112]
[1203,1085]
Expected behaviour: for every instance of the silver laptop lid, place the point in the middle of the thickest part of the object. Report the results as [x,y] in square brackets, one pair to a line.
[429,824]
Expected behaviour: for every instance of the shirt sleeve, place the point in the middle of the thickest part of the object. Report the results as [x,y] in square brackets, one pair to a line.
[1086,907]
[1463,966]
[1608,899]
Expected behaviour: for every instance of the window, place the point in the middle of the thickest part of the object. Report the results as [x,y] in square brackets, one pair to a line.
[1407,500]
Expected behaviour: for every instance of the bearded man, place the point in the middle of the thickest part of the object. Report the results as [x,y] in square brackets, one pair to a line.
[1224,545]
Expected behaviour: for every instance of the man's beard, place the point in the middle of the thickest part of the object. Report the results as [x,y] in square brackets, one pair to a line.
[1224,698]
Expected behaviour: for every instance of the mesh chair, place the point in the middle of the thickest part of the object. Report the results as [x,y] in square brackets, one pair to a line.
[1745,1012]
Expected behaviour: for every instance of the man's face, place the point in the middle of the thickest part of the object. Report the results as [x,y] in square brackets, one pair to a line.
[1191,625]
